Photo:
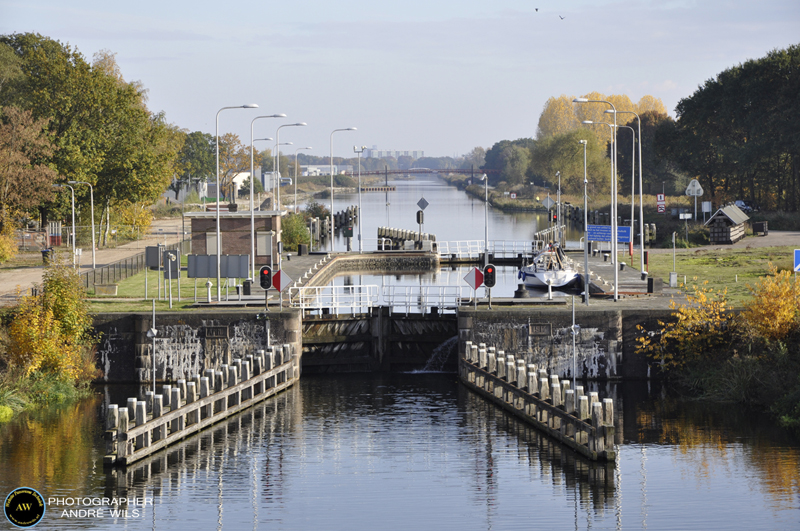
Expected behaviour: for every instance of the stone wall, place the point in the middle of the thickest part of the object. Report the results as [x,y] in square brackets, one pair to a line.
[605,347]
[388,263]
[186,343]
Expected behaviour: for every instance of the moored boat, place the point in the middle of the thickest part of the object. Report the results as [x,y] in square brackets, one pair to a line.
[550,267]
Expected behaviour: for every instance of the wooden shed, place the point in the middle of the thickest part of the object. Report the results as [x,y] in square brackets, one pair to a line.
[727,225]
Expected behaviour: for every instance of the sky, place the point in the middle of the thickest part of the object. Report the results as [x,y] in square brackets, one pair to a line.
[441,76]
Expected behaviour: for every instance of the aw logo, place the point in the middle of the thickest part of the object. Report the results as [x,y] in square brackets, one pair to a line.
[24,507]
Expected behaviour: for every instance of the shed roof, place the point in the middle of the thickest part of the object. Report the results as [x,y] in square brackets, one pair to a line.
[732,212]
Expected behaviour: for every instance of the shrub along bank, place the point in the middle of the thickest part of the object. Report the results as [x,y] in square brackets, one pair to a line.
[750,357]
[47,343]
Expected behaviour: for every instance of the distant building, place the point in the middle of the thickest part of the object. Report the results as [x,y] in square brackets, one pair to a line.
[375,153]
[325,169]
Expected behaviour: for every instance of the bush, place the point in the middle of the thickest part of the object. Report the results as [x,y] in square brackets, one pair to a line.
[293,232]
[50,333]
[8,247]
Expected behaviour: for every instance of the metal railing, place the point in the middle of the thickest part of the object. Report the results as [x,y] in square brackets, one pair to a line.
[421,299]
[334,299]
[122,269]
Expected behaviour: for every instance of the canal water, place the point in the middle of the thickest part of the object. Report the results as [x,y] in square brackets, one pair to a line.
[416,451]
[451,215]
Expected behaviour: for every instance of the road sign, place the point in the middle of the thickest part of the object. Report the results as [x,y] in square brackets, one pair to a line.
[660,198]
[602,233]
[797,260]
[474,278]
[662,209]
[694,188]
[280,280]
[548,202]
[422,204]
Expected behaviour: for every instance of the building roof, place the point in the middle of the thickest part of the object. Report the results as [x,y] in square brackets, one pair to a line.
[732,212]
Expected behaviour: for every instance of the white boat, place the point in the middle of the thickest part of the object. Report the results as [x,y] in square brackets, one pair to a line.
[550,267]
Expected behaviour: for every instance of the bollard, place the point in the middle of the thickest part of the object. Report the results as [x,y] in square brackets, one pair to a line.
[123,447]
[544,389]
[233,376]
[492,365]
[251,363]
[177,423]
[483,360]
[555,391]
[569,401]
[583,408]
[593,397]
[468,351]
[205,390]
[608,422]
[148,400]
[131,409]
[158,410]
[238,365]
[522,377]
[175,399]
[166,393]
[501,366]
[143,440]
[511,373]
[597,423]
[112,423]
[191,397]
[532,382]
[182,387]
[219,381]
[209,373]
[225,376]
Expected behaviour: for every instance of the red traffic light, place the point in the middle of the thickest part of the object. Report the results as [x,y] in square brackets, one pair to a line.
[489,275]
[265,277]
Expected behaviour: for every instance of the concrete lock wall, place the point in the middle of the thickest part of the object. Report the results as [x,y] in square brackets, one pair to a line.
[605,347]
[186,343]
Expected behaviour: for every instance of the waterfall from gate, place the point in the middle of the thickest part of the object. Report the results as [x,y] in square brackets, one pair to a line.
[439,355]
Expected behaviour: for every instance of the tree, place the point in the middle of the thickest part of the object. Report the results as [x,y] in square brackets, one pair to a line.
[294,231]
[475,158]
[25,181]
[564,153]
[244,189]
[558,116]
[234,158]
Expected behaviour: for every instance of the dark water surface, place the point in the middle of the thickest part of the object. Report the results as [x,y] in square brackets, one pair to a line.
[418,451]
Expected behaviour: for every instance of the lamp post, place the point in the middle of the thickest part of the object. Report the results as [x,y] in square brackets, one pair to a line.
[91,201]
[295,175]
[73,217]
[614,235]
[613,210]
[485,180]
[558,208]
[278,158]
[633,182]
[331,161]
[586,274]
[360,219]
[219,239]
[252,194]
[641,190]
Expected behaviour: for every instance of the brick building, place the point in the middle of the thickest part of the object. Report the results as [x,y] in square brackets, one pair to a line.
[234,230]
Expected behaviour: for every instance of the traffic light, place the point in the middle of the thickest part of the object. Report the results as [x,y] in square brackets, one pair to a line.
[489,275]
[265,277]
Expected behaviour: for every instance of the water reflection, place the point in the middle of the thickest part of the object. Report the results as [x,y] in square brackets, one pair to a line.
[418,451]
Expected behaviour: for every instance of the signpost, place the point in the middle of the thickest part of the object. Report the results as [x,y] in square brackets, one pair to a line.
[602,233]
[474,278]
[280,281]
[661,203]
[694,189]
[796,262]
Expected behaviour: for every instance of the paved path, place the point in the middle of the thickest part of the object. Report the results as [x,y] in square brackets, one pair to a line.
[162,230]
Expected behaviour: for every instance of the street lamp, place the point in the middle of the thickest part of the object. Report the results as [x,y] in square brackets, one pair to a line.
[252,193]
[219,239]
[613,209]
[587,275]
[73,218]
[614,236]
[558,209]
[360,219]
[633,183]
[91,199]
[641,190]
[331,161]
[278,157]
[485,180]
[276,179]
[295,175]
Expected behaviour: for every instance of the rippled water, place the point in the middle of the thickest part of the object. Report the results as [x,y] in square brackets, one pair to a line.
[418,451]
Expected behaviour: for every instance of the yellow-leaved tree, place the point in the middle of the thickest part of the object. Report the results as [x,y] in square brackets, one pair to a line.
[774,311]
[701,330]
[51,332]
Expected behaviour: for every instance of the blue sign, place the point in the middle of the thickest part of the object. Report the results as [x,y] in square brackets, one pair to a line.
[796,260]
[602,233]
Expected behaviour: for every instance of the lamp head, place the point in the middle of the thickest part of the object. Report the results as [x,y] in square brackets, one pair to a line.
[580,100]
[582,142]
[610,111]
[250,106]
[300,123]
[558,174]
[587,122]
[351,129]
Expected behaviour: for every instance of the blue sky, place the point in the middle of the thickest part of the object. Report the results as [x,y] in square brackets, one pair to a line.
[438,76]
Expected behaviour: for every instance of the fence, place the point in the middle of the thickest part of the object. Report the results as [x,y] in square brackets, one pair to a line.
[112,273]
[581,422]
[147,426]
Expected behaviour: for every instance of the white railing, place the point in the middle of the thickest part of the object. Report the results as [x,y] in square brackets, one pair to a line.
[461,249]
[420,299]
[335,299]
